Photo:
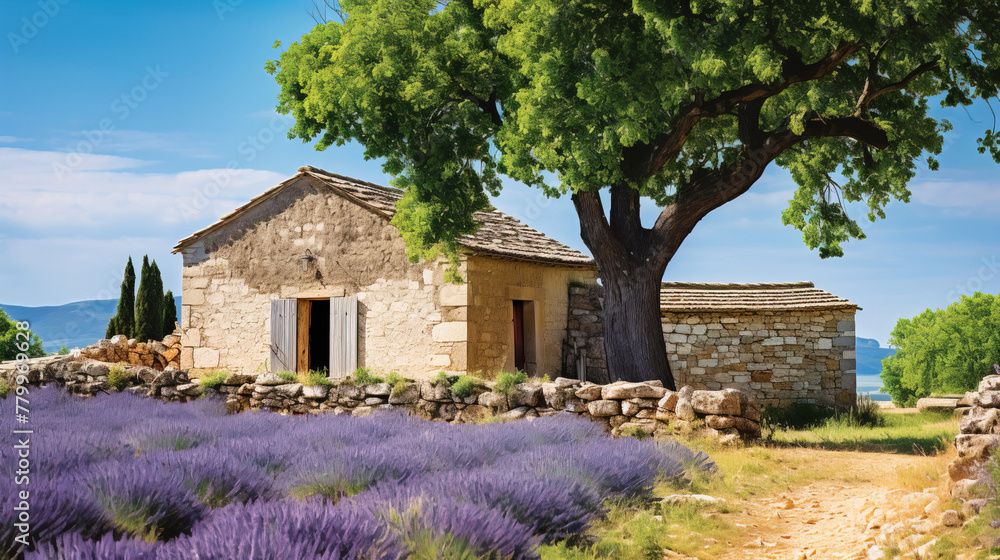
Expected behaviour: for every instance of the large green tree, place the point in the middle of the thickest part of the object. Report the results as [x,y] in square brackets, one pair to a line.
[685,103]
[14,340]
[943,351]
[123,322]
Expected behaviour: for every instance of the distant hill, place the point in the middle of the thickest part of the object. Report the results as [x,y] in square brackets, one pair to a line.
[869,359]
[80,323]
[870,355]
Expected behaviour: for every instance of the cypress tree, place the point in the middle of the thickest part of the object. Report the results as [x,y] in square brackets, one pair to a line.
[148,303]
[124,320]
[169,313]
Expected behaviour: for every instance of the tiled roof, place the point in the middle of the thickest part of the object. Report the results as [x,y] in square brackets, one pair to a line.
[498,234]
[678,296]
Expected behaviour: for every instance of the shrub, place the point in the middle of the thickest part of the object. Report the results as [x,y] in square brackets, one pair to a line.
[315,377]
[214,379]
[506,382]
[797,416]
[119,378]
[6,387]
[393,378]
[866,413]
[441,379]
[288,376]
[286,529]
[464,386]
[364,376]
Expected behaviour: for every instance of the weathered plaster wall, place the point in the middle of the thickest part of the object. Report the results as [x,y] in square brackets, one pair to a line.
[492,286]
[780,357]
[307,243]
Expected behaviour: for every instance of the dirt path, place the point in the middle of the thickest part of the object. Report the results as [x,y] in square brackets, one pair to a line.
[822,519]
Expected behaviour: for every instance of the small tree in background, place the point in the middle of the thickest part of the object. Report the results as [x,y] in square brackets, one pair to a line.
[169,313]
[10,343]
[149,303]
[124,320]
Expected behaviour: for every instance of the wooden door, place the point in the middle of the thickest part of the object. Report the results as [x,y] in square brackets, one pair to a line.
[284,323]
[343,335]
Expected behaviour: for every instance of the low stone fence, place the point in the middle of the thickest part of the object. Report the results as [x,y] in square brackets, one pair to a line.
[624,408]
[978,437]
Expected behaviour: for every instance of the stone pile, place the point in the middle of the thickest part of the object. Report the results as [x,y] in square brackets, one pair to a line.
[640,409]
[977,439]
[158,355]
[88,377]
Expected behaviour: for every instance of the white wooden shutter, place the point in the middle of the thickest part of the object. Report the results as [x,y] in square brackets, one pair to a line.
[343,335]
[284,321]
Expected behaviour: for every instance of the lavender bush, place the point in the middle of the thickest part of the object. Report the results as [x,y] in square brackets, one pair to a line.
[120,476]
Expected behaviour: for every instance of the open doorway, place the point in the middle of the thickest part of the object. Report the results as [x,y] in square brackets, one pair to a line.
[524,336]
[319,335]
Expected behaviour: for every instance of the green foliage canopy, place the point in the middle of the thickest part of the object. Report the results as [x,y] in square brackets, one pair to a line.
[11,344]
[944,351]
[149,303]
[685,102]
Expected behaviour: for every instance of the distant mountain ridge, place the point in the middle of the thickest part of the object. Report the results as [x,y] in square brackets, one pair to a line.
[76,324]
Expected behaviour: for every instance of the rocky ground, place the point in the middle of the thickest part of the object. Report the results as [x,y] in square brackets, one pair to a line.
[859,513]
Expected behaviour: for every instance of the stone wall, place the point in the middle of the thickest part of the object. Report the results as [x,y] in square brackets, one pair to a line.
[976,442]
[623,408]
[493,285]
[780,357]
[585,334]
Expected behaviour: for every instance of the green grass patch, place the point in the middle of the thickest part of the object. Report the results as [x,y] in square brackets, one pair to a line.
[5,388]
[332,490]
[214,379]
[315,377]
[364,376]
[506,382]
[924,433]
[288,376]
[464,386]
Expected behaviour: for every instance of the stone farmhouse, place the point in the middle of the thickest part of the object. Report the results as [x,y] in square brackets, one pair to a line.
[312,275]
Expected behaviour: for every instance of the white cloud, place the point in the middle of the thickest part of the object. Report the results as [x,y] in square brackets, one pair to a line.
[104,196]
[957,194]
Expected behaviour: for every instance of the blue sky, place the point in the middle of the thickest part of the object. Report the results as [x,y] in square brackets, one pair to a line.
[125,126]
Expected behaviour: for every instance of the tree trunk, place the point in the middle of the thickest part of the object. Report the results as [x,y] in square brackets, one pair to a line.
[633,332]
[630,262]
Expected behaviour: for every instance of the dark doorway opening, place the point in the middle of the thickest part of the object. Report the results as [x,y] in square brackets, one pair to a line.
[319,335]
[519,334]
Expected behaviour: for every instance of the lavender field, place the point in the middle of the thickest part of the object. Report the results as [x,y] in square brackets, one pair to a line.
[119,476]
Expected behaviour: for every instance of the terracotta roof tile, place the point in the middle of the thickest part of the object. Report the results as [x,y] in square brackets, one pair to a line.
[678,296]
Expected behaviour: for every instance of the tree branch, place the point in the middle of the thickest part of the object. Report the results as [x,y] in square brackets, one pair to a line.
[488,106]
[869,94]
[643,160]
[711,190]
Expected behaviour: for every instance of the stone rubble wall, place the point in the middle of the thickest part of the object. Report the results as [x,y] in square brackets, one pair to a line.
[976,442]
[158,355]
[623,408]
[778,357]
